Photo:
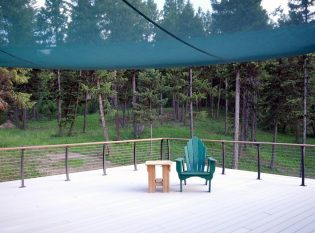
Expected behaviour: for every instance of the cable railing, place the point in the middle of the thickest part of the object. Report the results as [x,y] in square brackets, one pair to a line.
[21,163]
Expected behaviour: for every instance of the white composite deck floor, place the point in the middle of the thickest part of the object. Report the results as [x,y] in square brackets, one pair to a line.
[119,202]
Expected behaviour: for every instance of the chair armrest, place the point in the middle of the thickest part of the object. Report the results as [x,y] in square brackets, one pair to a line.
[179,165]
[211,164]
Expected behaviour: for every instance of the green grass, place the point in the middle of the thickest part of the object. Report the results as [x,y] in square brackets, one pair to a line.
[45,132]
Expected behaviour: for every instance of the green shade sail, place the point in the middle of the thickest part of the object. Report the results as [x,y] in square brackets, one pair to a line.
[136,34]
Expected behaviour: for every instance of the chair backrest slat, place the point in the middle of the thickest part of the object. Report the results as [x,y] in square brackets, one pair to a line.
[195,153]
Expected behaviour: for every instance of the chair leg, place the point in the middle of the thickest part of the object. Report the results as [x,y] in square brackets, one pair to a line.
[206,182]
[185,182]
[181,186]
[209,186]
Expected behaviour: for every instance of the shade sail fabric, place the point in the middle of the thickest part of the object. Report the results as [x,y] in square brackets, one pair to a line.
[124,52]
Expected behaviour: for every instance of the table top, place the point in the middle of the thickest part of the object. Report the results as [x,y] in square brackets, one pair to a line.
[158,162]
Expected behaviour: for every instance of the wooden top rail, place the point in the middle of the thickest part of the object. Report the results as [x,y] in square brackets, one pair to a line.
[246,142]
[79,144]
[148,140]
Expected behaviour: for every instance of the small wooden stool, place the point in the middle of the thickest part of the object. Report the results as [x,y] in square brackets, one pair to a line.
[165,181]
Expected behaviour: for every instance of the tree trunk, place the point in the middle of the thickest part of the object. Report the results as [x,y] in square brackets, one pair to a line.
[254,119]
[273,148]
[297,132]
[59,102]
[134,99]
[177,111]
[174,107]
[219,99]
[191,105]
[226,107]
[74,116]
[101,109]
[305,101]
[85,111]
[16,117]
[124,114]
[236,120]
[117,128]
[305,105]
[161,105]
[24,118]
[184,114]
[243,124]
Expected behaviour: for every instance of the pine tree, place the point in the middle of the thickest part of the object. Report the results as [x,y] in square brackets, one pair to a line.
[52,23]
[17,22]
[148,95]
[232,16]
[83,28]
[301,11]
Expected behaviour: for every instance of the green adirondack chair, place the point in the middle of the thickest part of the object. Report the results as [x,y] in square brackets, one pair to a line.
[194,163]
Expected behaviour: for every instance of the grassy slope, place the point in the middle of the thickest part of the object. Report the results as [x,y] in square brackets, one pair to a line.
[44,132]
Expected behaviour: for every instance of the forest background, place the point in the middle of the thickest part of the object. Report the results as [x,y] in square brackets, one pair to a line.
[274,95]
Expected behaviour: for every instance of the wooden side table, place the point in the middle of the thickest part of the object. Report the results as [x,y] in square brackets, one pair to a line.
[165,181]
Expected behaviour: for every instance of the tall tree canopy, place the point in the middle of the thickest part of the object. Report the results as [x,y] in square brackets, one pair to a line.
[231,16]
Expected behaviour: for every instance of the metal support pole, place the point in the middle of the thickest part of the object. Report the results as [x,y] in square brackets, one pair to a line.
[104,160]
[22,169]
[66,164]
[303,165]
[161,150]
[223,158]
[258,161]
[168,149]
[135,156]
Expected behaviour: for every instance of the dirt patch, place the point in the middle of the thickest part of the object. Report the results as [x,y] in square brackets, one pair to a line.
[7,125]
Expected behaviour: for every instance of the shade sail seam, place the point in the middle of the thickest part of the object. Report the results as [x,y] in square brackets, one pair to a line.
[170,33]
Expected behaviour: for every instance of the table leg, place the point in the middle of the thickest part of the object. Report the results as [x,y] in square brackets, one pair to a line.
[151,178]
[166,178]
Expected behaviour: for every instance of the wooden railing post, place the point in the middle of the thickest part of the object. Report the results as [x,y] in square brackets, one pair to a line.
[67,164]
[22,168]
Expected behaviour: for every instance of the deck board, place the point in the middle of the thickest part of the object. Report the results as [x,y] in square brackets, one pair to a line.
[119,202]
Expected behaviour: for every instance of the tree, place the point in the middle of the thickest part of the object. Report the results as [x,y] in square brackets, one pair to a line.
[12,95]
[103,92]
[301,11]
[180,19]
[148,96]
[70,96]
[52,21]
[84,26]
[16,22]
[232,16]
